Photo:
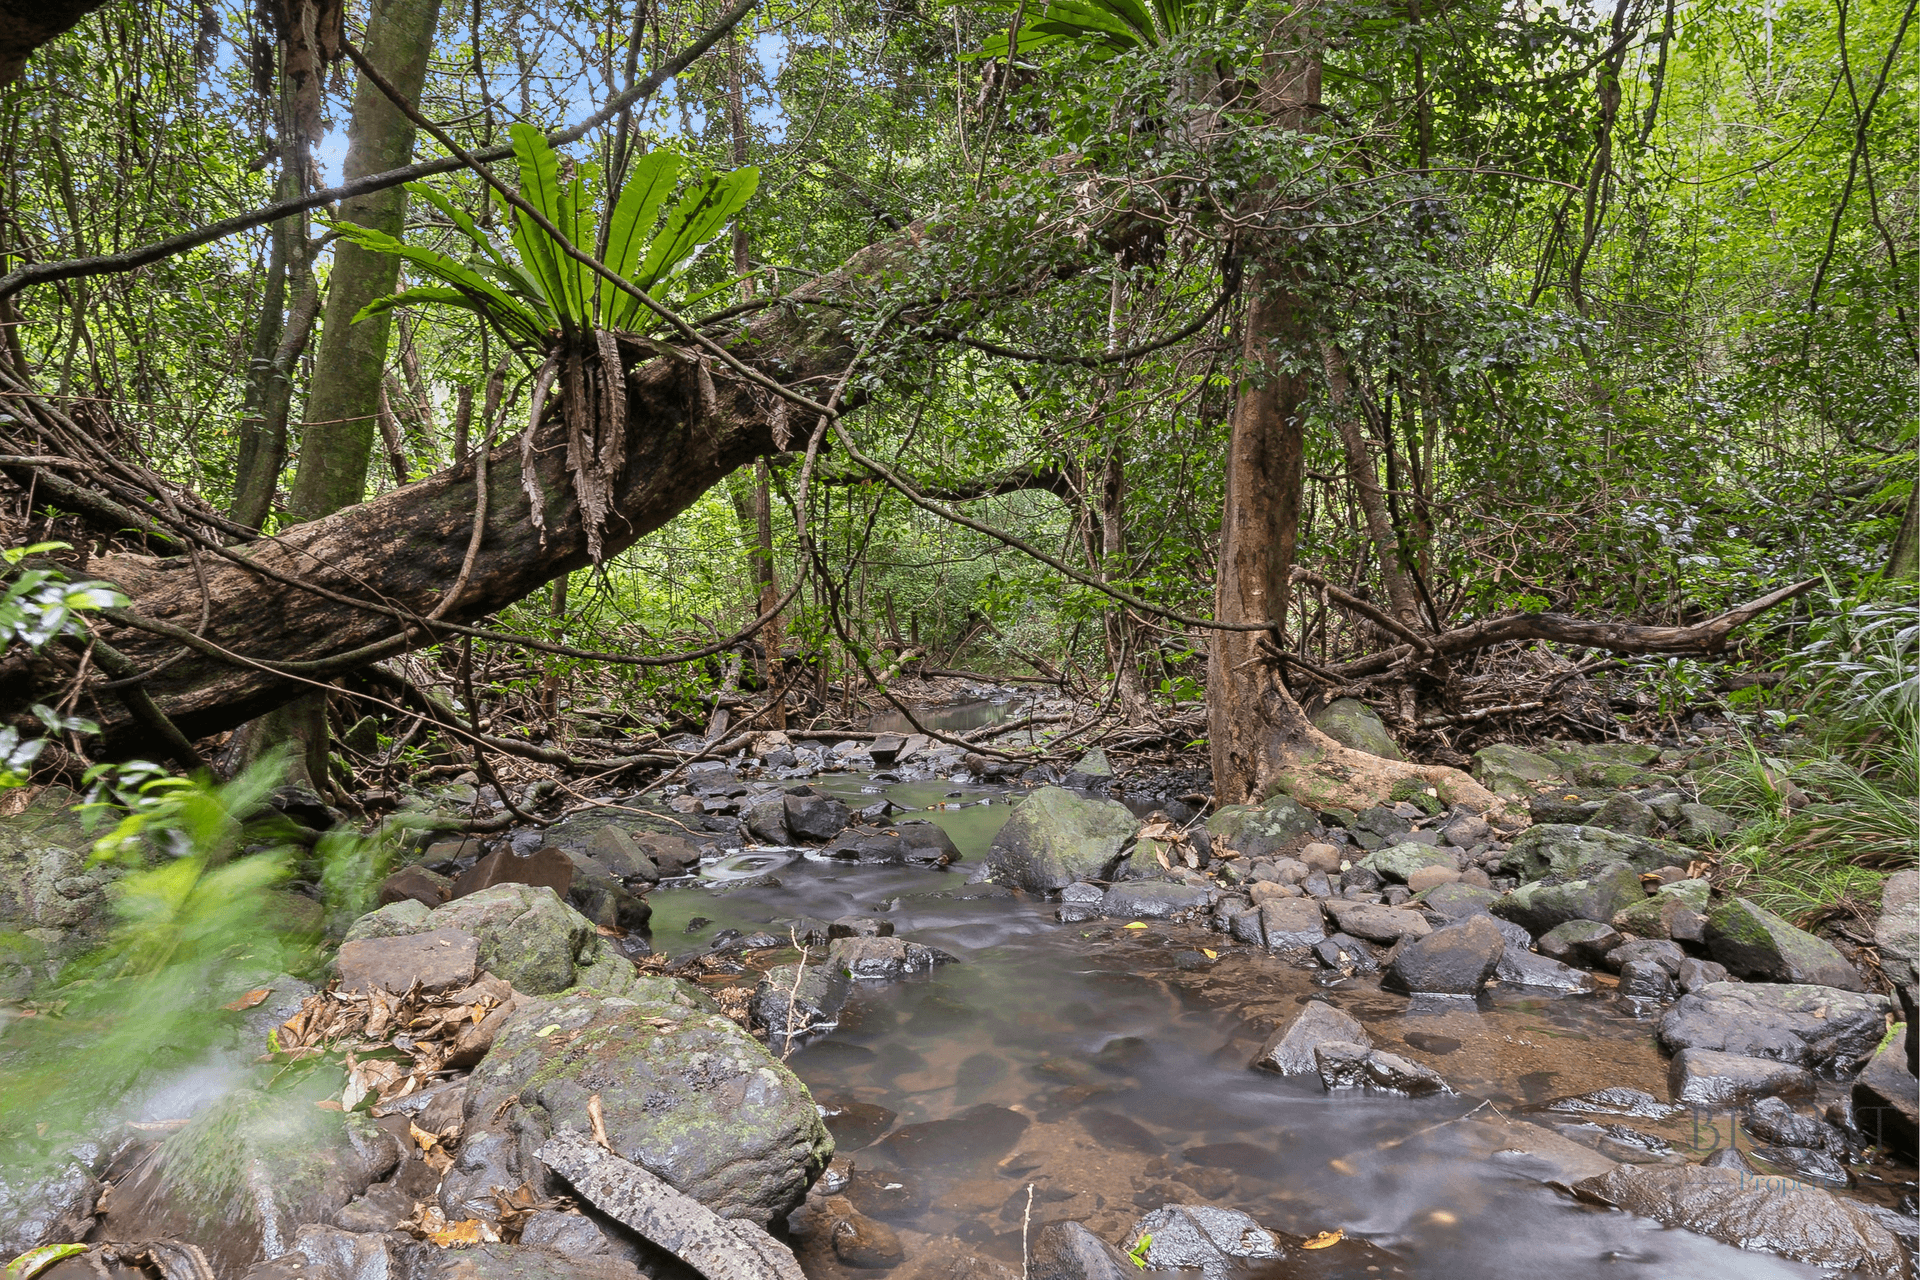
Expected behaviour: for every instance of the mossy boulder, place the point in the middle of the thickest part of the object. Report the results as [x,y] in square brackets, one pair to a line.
[1054,837]
[1398,862]
[49,891]
[1259,831]
[1352,723]
[1702,824]
[1507,770]
[1555,849]
[1755,943]
[1598,895]
[1652,916]
[685,1093]
[526,934]
[1626,815]
[1572,755]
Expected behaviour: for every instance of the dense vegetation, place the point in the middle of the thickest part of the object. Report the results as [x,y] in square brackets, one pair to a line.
[1605,313]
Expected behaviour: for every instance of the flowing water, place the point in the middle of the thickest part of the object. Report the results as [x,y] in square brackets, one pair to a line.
[1105,1069]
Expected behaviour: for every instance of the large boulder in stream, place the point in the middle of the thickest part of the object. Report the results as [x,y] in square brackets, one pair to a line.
[1054,837]
[1809,1026]
[1773,1215]
[526,934]
[684,1092]
[1456,960]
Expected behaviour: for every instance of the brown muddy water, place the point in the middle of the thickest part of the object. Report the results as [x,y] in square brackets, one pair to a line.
[1106,1069]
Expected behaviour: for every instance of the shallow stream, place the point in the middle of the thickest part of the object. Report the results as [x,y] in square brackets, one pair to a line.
[1107,1069]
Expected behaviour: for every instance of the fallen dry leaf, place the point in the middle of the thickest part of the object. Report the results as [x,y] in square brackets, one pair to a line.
[1325,1240]
[1209,953]
[250,1000]
[1135,925]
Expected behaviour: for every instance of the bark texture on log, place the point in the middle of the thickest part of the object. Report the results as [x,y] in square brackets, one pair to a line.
[405,547]
[25,25]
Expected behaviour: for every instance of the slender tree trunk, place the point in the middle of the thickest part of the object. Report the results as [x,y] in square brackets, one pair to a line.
[351,362]
[1262,742]
[1350,423]
[345,402]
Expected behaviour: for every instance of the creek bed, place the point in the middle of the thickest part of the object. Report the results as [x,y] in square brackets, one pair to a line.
[1107,1069]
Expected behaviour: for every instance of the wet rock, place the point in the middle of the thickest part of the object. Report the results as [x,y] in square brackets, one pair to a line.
[815,817]
[1806,1025]
[886,1193]
[1885,1095]
[1658,950]
[869,846]
[1457,900]
[1694,974]
[766,819]
[1288,924]
[1522,968]
[860,1241]
[1755,943]
[1557,849]
[502,1262]
[1055,837]
[1352,723]
[1775,1215]
[1598,895]
[1706,1077]
[1645,980]
[547,866]
[572,1234]
[48,1205]
[1376,923]
[1702,824]
[1617,1100]
[854,1124]
[686,1094]
[790,1002]
[883,959]
[860,927]
[1155,900]
[1816,1167]
[927,841]
[425,887]
[247,1171]
[1068,1251]
[1289,1050]
[1579,941]
[1511,771]
[983,1132]
[526,935]
[1625,814]
[1080,902]
[1347,1065]
[439,960]
[1345,952]
[623,856]
[1776,1122]
[1215,1242]
[675,855]
[1455,960]
[1399,862]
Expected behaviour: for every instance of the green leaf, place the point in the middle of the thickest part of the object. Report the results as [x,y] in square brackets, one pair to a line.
[540,189]
[698,218]
[630,225]
[34,1261]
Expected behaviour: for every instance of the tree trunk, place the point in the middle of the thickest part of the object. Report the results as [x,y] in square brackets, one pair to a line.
[1350,423]
[1262,742]
[351,362]
[405,547]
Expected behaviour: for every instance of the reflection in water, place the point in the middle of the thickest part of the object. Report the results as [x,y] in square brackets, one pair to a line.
[1083,1062]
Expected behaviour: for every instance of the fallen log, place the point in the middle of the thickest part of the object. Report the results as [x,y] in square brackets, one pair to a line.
[292,612]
